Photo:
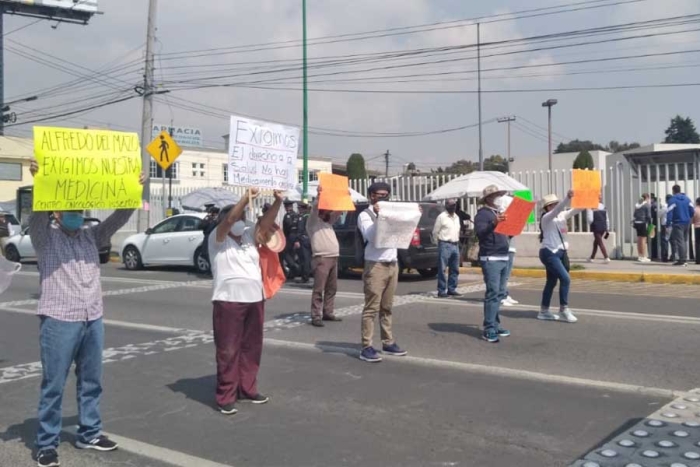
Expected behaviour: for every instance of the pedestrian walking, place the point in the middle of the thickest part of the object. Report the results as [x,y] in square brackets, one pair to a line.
[554,256]
[380,277]
[325,250]
[446,234]
[503,203]
[238,301]
[696,226]
[71,329]
[680,213]
[599,222]
[641,221]
[493,256]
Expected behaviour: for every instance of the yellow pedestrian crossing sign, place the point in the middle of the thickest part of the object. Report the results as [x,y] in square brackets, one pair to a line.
[164,150]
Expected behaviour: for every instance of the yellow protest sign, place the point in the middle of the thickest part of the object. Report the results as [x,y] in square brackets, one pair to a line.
[164,150]
[86,169]
[586,186]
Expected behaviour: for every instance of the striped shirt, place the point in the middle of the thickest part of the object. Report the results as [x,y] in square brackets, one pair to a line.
[69,266]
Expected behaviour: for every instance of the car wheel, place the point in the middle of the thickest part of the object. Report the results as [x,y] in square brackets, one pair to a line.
[132,258]
[428,273]
[12,254]
[201,263]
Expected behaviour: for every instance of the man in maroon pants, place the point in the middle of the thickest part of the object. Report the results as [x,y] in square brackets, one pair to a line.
[239,302]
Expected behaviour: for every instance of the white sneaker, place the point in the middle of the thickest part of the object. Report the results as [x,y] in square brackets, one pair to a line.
[511,300]
[567,315]
[589,260]
[505,302]
[606,260]
[547,315]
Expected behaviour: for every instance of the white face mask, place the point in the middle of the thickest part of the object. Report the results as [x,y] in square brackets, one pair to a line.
[238,228]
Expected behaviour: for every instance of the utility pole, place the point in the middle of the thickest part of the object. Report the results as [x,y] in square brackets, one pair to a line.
[507,120]
[386,162]
[478,67]
[549,104]
[147,116]
[305,139]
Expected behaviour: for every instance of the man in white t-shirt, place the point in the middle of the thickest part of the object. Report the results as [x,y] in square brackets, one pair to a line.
[239,301]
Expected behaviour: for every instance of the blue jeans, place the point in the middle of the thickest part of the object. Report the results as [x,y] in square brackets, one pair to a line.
[555,272]
[63,342]
[496,281]
[448,258]
[511,260]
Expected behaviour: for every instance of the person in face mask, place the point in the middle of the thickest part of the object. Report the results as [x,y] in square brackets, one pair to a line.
[325,251]
[71,328]
[493,255]
[380,277]
[238,301]
[446,235]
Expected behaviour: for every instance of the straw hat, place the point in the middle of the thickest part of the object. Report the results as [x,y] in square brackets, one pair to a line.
[549,200]
[277,242]
[491,190]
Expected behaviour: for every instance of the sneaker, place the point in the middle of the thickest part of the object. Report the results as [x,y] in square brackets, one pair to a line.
[442,295]
[547,315]
[606,260]
[257,399]
[567,315]
[370,355]
[454,293]
[47,458]
[503,332]
[228,409]
[101,443]
[490,336]
[680,263]
[332,318]
[512,300]
[394,350]
[317,322]
[505,302]
[589,260]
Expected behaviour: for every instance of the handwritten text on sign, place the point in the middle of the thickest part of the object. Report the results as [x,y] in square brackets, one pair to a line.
[586,186]
[86,169]
[262,154]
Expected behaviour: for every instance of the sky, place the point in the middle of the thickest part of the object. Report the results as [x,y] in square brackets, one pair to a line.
[114,42]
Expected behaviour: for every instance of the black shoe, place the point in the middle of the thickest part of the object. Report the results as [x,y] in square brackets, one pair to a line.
[47,458]
[442,295]
[680,263]
[332,318]
[317,322]
[257,399]
[101,443]
[228,409]
[454,293]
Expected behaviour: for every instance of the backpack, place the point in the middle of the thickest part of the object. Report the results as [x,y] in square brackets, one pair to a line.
[360,242]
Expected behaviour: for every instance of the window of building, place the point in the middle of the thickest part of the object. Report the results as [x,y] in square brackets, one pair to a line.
[225,169]
[157,172]
[313,176]
[11,171]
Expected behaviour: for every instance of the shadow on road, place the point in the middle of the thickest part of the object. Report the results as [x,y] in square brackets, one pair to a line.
[457,328]
[351,349]
[26,431]
[200,389]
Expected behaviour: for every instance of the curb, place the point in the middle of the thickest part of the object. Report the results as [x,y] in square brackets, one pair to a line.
[651,278]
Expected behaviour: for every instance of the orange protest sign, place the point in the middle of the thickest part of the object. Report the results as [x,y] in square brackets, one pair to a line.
[586,188]
[516,216]
[335,195]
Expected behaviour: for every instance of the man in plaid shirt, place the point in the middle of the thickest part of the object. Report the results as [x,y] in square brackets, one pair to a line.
[71,328]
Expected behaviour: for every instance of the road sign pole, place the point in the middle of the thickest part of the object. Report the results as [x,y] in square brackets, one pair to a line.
[170,179]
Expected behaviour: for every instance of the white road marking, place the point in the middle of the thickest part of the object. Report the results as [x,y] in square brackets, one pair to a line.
[679,319]
[492,370]
[128,280]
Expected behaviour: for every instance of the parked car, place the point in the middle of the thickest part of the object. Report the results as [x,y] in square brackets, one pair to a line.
[176,241]
[19,247]
[421,255]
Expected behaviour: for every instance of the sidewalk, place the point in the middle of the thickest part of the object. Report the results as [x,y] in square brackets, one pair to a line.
[616,270]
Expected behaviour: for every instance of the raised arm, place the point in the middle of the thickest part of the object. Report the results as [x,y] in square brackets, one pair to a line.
[267,222]
[114,222]
[38,221]
[235,215]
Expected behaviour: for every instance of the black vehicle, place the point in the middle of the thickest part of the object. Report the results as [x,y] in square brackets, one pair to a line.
[421,255]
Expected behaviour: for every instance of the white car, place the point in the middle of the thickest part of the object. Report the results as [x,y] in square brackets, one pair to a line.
[176,241]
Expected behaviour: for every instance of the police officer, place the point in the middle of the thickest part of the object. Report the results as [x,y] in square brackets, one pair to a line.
[303,243]
[290,227]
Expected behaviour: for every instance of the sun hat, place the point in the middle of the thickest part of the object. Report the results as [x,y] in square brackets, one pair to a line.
[549,200]
[492,190]
[277,242]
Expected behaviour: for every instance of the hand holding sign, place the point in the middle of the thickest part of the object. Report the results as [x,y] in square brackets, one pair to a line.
[587,185]
[513,221]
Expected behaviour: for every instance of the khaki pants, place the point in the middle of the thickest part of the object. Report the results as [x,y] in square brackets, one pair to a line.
[380,281]
[325,286]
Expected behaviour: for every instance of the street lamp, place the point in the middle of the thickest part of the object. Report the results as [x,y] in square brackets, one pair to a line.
[549,104]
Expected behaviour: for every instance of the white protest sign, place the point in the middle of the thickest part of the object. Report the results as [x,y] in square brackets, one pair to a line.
[262,154]
[396,224]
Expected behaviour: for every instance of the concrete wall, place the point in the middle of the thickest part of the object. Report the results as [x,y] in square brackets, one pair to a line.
[580,245]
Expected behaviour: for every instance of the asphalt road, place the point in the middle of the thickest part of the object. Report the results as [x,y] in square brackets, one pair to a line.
[545,396]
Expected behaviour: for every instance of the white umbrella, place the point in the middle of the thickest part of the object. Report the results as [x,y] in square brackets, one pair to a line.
[219,197]
[473,184]
[295,195]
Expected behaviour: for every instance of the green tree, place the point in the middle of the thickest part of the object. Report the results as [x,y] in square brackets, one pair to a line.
[461,167]
[356,167]
[615,146]
[584,161]
[682,131]
[496,163]
[578,146]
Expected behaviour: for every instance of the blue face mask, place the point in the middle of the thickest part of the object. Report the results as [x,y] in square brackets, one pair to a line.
[72,221]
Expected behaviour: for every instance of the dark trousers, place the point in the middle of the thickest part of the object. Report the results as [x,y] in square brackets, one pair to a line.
[304,255]
[290,259]
[555,272]
[325,286]
[598,243]
[238,337]
[697,245]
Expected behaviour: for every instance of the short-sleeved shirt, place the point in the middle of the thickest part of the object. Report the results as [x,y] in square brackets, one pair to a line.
[236,269]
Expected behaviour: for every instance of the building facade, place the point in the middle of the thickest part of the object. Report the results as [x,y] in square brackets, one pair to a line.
[15,157]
